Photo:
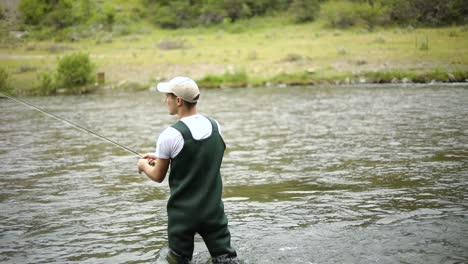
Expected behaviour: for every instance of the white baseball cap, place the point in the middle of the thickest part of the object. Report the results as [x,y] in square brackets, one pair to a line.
[183,87]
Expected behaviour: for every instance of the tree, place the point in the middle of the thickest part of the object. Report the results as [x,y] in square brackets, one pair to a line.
[61,15]
[33,11]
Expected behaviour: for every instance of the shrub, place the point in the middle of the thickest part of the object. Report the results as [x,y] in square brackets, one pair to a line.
[212,13]
[235,79]
[4,76]
[228,79]
[61,15]
[210,81]
[174,14]
[33,11]
[106,16]
[435,12]
[299,78]
[46,84]
[304,10]
[58,14]
[75,70]
[343,14]
[423,43]
[2,12]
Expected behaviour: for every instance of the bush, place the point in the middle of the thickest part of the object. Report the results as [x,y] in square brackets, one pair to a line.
[433,13]
[61,15]
[211,81]
[106,16]
[299,78]
[235,79]
[228,79]
[185,13]
[75,70]
[4,76]
[57,14]
[304,10]
[174,15]
[46,84]
[2,12]
[343,14]
[33,11]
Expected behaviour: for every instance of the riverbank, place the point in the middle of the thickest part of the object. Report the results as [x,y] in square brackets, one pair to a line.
[255,52]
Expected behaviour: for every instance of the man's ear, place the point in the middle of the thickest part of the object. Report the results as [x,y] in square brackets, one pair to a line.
[179,101]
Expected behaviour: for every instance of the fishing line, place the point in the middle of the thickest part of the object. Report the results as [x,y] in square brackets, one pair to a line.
[83,129]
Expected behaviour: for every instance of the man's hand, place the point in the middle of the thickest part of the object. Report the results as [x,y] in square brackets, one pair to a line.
[150,158]
[153,167]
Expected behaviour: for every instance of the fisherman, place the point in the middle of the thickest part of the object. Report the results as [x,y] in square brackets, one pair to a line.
[193,148]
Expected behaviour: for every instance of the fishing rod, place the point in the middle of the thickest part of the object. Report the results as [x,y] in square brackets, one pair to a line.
[83,129]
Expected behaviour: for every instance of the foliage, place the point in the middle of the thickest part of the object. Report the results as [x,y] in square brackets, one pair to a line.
[107,16]
[61,14]
[2,12]
[343,14]
[304,10]
[87,18]
[7,40]
[433,13]
[371,13]
[33,11]
[235,79]
[228,79]
[439,75]
[68,19]
[185,13]
[75,70]
[57,14]
[299,78]
[4,76]
[47,85]
[173,15]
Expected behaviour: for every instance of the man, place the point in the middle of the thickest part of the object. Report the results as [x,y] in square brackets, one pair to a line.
[194,149]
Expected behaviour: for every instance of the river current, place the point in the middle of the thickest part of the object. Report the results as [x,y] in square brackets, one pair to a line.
[348,174]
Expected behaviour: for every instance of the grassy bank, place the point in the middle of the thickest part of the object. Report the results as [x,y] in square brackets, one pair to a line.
[256,52]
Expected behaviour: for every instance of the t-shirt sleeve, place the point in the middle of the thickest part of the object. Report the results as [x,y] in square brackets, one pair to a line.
[169,143]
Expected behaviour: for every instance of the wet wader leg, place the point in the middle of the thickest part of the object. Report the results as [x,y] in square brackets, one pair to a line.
[218,240]
[181,240]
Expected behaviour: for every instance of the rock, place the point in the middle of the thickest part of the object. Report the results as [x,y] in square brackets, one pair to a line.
[451,77]
[19,34]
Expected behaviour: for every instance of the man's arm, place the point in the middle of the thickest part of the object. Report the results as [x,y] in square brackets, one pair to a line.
[155,169]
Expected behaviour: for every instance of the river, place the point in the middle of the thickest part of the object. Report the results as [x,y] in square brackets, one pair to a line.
[348,174]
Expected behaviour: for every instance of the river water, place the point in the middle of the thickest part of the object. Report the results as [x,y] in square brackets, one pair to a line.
[374,174]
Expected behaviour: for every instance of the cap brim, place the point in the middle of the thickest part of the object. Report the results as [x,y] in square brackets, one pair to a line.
[164,87]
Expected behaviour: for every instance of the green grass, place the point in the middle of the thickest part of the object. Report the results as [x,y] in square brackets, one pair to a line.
[256,52]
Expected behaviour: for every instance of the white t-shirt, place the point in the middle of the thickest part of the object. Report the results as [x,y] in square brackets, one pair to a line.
[171,141]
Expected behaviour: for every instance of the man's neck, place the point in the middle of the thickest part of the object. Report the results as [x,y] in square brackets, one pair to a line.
[187,112]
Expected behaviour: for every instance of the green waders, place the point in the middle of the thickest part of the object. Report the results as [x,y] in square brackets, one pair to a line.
[195,205]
